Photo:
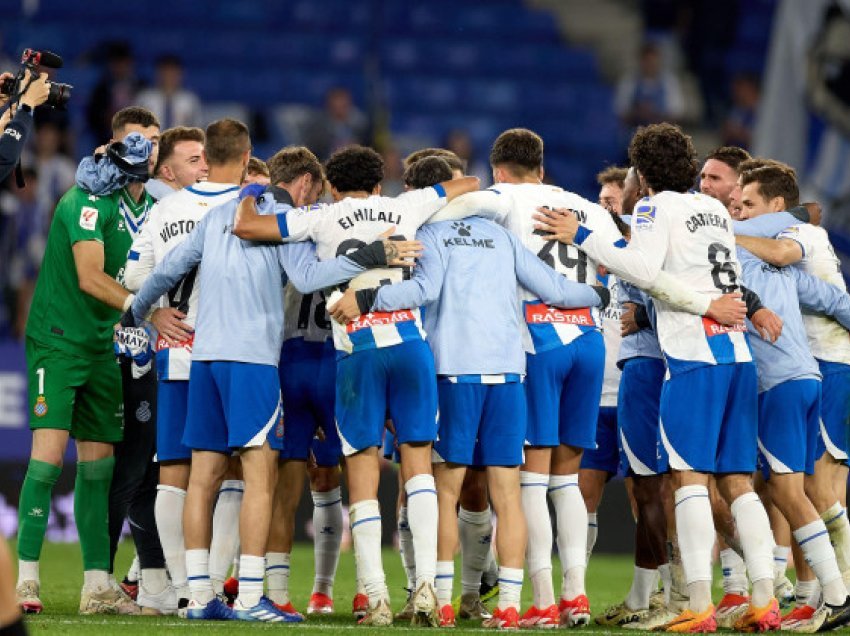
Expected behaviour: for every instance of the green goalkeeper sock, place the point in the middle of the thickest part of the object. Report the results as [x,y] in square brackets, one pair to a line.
[91,511]
[34,508]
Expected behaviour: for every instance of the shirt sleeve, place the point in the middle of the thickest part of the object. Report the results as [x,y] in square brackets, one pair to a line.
[308,274]
[545,283]
[765,225]
[820,296]
[793,233]
[140,259]
[423,202]
[638,261]
[298,224]
[427,281]
[85,219]
[489,204]
[176,264]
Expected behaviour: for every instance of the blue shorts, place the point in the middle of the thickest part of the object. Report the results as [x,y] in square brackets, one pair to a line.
[637,413]
[834,410]
[233,405]
[709,418]
[172,403]
[398,382]
[789,427]
[606,455]
[481,424]
[563,387]
[307,387]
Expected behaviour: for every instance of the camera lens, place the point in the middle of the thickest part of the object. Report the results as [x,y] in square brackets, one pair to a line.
[59,95]
[7,86]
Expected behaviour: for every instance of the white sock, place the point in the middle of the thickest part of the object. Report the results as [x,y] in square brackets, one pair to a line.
[198,571]
[666,580]
[813,540]
[695,530]
[571,516]
[154,580]
[757,543]
[135,571]
[644,583]
[96,579]
[538,551]
[251,570]
[327,525]
[365,517]
[405,548]
[168,510]
[277,577]
[234,568]
[592,532]
[780,562]
[444,581]
[28,571]
[510,587]
[734,573]
[423,515]
[835,520]
[807,593]
[476,533]
[225,534]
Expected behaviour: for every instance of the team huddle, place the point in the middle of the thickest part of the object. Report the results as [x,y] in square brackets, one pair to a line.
[509,348]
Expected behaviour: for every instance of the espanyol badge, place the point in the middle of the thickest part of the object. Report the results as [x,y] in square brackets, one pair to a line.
[40,408]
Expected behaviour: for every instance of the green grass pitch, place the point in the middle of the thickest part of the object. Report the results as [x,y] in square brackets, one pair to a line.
[608,582]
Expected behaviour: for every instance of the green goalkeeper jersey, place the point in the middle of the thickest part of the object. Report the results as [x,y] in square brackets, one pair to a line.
[62,316]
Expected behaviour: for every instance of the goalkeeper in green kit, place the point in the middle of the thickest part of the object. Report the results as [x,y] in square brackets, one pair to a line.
[74,380]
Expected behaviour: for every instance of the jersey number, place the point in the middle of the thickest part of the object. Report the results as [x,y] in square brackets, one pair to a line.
[179,295]
[722,270]
[579,261]
[319,313]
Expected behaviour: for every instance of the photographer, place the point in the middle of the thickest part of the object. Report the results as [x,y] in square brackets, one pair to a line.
[16,130]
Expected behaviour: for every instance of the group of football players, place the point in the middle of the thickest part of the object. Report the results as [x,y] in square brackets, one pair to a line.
[511,348]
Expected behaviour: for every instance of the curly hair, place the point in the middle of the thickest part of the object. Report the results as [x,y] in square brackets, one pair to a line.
[354,169]
[520,150]
[426,172]
[665,157]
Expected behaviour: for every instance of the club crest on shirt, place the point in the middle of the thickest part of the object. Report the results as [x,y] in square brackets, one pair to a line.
[644,216]
[40,407]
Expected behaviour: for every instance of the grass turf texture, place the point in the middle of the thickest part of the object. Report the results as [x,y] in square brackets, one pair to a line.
[608,583]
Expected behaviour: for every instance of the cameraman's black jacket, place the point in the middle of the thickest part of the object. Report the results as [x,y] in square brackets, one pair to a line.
[12,141]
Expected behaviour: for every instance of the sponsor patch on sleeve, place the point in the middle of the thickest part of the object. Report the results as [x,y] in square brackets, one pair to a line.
[88,218]
[644,216]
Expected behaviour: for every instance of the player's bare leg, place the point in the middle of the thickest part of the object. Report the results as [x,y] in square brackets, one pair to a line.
[591,483]
[287,496]
[405,548]
[224,548]
[327,525]
[422,515]
[362,470]
[821,489]
[571,520]
[475,528]
[783,589]
[449,479]
[534,486]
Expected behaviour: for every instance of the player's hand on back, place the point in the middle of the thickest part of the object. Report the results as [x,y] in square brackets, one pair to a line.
[628,323]
[399,251]
[768,324]
[728,309]
[345,309]
[559,224]
[169,323]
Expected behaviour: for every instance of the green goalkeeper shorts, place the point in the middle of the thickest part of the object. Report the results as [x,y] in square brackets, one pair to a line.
[75,394]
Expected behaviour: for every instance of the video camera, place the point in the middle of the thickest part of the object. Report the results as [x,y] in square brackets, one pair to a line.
[32,61]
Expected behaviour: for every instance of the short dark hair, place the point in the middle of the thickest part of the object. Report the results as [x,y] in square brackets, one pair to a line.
[520,150]
[759,162]
[257,166]
[455,162]
[732,156]
[355,168]
[426,172]
[665,157]
[227,140]
[173,136]
[289,163]
[775,180]
[133,115]
[612,174]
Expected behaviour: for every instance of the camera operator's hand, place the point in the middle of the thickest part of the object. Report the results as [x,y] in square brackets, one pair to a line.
[37,92]
[3,78]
